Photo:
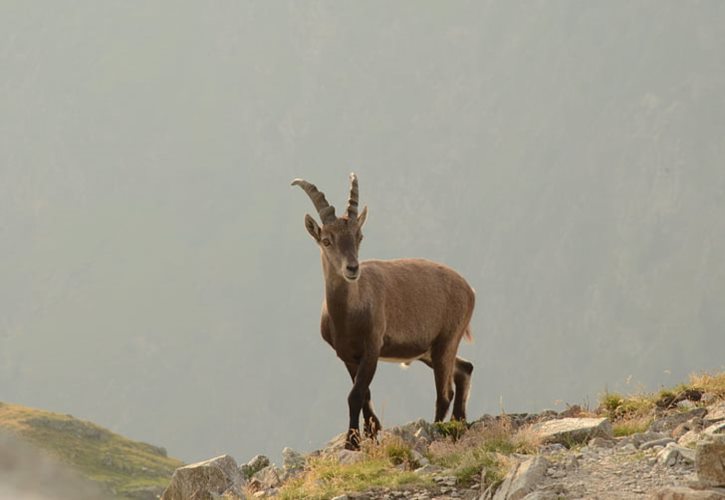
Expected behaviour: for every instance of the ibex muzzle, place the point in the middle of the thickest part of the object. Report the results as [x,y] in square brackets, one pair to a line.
[403,310]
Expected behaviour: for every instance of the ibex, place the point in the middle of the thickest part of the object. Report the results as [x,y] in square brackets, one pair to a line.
[392,310]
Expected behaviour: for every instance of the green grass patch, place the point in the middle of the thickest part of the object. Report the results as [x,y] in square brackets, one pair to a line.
[118,464]
[627,427]
[616,406]
[325,478]
[484,447]
[453,429]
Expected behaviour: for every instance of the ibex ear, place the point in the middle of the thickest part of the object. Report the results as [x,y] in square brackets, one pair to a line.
[312,227]
[361,218]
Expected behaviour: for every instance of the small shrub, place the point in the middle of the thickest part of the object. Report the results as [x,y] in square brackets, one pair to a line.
[454,429]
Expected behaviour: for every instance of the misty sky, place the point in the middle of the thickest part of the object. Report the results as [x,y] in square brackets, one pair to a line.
[155,274]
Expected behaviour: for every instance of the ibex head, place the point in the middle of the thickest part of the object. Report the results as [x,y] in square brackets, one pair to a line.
[339,237]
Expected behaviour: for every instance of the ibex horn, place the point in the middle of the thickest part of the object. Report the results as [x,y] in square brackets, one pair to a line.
[326,211]
[352,202]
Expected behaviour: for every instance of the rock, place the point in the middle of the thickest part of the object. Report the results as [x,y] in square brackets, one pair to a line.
[205,480]
[685,493]
[673,454]
[715,413]
[292,461]
[269,477]
[419,458]
[428,469]
[686,404]
[682,429]
[347,457]
[341,497]
[522,479]
[689,438]
[668,423]
[572,463]
[552,448]
[600,442]
[656,442]
[710,461]
[714,430]
[642,437]
[256,464]
[568,431]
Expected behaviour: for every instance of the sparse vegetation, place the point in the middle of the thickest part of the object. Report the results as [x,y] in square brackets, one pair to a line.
[635,413]
[120,465]
[627,427]
[454,428]
[712,383]
[483,447]
[325,478]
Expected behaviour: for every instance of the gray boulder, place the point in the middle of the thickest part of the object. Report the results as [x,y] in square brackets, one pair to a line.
[255,465]
[292,461]
[569,431]
[267,478]
[672,454]
[715,413]
[710,461]
[206,480]
[714,430]
[521,480]
[670,422]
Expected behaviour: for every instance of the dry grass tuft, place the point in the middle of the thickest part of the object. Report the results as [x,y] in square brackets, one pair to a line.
[712,383]
[484,446]
[386,464]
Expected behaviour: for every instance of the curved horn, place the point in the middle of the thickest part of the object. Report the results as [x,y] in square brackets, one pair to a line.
[326,211]
[352,202]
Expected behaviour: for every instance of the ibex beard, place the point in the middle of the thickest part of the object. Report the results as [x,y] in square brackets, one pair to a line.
[400,310]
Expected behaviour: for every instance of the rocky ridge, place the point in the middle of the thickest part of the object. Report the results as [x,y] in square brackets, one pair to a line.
[681,455]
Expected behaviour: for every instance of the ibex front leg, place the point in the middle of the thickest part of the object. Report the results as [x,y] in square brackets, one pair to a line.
[371,423]
[356,400]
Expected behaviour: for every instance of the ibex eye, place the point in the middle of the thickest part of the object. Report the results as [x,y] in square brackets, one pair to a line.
[326,242]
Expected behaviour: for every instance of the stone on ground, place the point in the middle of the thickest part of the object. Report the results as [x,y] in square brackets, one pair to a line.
[347,457]
[292,461]
[205,480]
[710,461]
[573,430]
[255,465]
[522,479]
[715,413]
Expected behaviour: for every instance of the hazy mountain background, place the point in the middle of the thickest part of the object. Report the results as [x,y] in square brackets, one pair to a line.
[155,275]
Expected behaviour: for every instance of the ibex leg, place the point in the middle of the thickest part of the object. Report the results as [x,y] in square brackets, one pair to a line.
[371,423]
[356,399]
[443,357]
[462,379]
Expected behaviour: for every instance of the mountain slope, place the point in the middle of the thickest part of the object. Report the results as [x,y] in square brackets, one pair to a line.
[125,468]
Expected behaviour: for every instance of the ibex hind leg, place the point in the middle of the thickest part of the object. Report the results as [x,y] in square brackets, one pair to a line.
[443,359]
[462,380]
[371,424]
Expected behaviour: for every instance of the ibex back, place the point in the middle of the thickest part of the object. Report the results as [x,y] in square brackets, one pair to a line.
[392,310]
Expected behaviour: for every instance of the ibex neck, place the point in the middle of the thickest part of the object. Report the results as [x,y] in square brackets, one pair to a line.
[339,293]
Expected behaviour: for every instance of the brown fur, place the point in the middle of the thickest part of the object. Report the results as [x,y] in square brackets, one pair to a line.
[402,310]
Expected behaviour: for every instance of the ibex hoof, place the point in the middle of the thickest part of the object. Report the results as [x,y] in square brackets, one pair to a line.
[352,442]
[372,426]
